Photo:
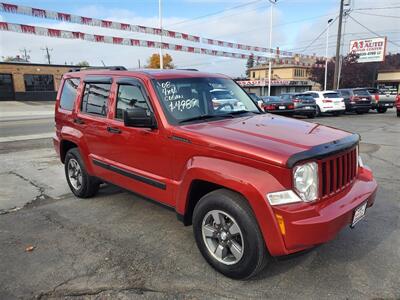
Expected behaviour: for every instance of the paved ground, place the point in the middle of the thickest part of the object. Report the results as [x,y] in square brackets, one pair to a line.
[118,245]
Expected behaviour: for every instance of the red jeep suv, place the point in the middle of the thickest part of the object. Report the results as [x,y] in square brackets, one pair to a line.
[253,185]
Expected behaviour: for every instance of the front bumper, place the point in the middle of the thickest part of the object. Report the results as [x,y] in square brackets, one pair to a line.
[308,225]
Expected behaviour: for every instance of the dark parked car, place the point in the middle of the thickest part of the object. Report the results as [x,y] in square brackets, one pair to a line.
[257,99]
[303,104]
[356,100]
[277,105]
[381,101]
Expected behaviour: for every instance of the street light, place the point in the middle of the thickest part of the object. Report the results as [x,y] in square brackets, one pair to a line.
[270,45]
[326,53]
[161,34]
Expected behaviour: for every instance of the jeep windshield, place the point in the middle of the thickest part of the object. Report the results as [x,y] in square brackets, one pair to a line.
[203,99]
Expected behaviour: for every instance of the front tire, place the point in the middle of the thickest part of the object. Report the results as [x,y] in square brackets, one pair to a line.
[80,182]
[228,236]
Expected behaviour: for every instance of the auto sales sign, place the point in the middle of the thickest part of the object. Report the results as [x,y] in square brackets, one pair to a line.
[369,50]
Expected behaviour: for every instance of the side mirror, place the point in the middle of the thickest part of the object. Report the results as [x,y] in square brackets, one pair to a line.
[139,117]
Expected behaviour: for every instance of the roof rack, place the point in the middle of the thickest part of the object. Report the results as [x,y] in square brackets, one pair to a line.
[110,68]
[194,70]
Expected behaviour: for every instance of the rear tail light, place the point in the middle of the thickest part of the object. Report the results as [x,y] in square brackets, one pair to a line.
[269,107]
[353,99]
[377,97]
[326,101]
[296,100]
[290,106]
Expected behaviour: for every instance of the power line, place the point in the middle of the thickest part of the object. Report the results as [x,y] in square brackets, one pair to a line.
[214,13]
[313,41]
[373,32]
[375,8]
[368,14]
[277,25]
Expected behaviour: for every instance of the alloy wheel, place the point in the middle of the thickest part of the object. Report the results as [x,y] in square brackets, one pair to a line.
[74,174]
[223,237]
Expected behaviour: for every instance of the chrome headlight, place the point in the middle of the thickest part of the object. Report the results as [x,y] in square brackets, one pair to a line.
[305,181]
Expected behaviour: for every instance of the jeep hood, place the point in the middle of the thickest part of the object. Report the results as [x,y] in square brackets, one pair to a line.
[265,137]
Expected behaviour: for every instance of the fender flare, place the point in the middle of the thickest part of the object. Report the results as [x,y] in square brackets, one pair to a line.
[76,136]
[253,184]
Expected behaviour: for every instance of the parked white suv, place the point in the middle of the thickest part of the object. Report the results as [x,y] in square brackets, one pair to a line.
[328,102]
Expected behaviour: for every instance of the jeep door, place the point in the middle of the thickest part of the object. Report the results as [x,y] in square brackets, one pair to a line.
[139,158]
[91,114]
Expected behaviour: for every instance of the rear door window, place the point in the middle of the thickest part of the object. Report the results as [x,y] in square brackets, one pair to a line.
[361,93]
[95,98]
[68,93]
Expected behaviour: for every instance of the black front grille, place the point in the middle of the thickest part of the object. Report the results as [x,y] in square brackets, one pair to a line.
[337,172]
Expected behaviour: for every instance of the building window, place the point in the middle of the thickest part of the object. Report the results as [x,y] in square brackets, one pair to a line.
[35,83]
[254,74]
[95,98]
[68,93]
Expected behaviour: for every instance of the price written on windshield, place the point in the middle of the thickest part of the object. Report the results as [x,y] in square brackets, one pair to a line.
[177,101]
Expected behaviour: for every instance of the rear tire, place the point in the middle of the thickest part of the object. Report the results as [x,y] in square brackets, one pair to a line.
[80,182]
[318,112]
[359,112]
[311,116]
[228,236]
[398,113]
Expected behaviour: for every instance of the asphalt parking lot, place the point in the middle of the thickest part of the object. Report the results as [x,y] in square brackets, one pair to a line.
[118,245]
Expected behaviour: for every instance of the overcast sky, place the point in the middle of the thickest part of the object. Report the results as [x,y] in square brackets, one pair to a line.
[296,23]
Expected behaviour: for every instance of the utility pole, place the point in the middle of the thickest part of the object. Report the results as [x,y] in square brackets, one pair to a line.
[47,55]
[339,38]
[270,45]
[326,54]
[25,54]
[161,34]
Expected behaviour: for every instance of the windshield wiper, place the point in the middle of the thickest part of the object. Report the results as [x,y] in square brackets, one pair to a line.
[239,112]
[201,117]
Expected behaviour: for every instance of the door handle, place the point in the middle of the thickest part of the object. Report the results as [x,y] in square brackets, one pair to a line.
[113,130]
[79,121]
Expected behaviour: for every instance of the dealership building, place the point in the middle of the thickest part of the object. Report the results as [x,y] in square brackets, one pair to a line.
[291,77]
[26,81]
[389,81]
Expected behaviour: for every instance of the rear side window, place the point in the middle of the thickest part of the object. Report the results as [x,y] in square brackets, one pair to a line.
[331,95]
[129,96]
[68,93]
[95,98]
[361,93]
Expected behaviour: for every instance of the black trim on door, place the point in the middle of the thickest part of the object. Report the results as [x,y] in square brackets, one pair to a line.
[131,175]
[324,150]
